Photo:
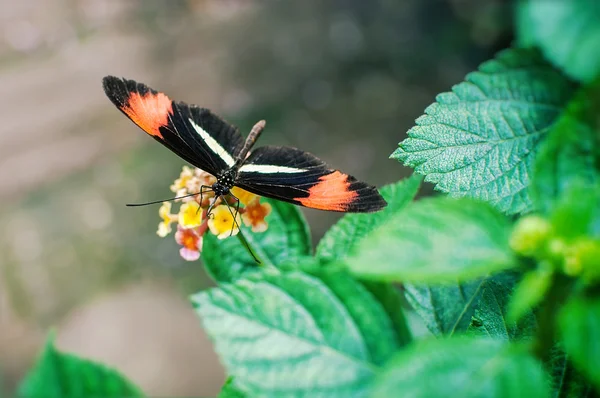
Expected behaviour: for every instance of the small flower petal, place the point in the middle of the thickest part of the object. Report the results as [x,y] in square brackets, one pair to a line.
[254,215]
[164,228]
[189,255]
[165,210]
[191,241]
[180,183]
[190,215]
[244,196]
[221,222]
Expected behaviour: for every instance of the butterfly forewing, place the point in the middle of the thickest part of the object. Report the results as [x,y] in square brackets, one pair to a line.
[298,177]
[195,134]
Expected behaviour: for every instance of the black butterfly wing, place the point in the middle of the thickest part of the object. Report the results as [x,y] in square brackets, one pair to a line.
[295,176]
[195,134]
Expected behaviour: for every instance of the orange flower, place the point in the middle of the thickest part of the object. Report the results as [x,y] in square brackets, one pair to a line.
[191,241]
[254,215]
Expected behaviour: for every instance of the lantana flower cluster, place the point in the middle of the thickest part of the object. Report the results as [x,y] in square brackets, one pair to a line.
[192,220]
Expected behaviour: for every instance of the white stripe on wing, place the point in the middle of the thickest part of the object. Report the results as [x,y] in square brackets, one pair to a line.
[268,168]
[214,145]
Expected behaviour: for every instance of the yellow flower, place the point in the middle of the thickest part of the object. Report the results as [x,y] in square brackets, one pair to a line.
[181,183]
[164,228]
[190,215]
[254,215]
[244,196]
[221,222]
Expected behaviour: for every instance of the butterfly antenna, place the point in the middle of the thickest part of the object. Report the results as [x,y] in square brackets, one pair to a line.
[160,201]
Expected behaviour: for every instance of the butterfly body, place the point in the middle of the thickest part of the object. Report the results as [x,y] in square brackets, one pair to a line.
[206,141]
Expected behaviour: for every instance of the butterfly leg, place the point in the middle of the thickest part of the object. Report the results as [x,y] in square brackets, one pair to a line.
[203,188]
[212,205]
[237,210]
[243,239]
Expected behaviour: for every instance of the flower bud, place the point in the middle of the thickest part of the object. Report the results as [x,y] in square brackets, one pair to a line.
[530,235]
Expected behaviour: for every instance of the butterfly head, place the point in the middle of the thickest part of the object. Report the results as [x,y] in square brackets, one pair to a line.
[224,183]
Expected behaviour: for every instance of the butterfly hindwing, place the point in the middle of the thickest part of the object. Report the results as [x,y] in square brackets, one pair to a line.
[301,178]
[195,134]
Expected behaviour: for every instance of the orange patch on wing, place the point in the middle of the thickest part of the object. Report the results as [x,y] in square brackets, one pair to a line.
[330,193]
[150,111]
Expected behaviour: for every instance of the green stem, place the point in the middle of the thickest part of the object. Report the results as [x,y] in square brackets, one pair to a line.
[559,292]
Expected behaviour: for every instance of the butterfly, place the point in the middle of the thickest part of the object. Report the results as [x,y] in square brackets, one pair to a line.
[206,141]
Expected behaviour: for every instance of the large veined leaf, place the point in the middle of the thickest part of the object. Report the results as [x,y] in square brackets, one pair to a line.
[567,382]
[446,309]
[436,240]
[343,237]
[490,316]
[579,323]
[480,140]
[61,375]
[389,296]
[291,335]
[370,316]
[286,240]
[567,31]
[476,306]
[463,367]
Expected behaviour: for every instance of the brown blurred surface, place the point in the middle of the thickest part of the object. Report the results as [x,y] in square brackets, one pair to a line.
[342,81]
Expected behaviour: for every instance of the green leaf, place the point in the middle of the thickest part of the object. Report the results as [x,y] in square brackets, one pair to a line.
[445,309]
[230,390]
[60,375]
[369,315]
[342,238]
[291,335]
[463,367]
[436,240]
[530,291]
[568,32]
[390,298]
[578,213]
[286,240]
[477,306]
[571,154]
[480,140]
[490,316]
[566,381]
[579,324]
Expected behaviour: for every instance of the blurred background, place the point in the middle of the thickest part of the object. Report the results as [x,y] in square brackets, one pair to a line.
[342,79]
